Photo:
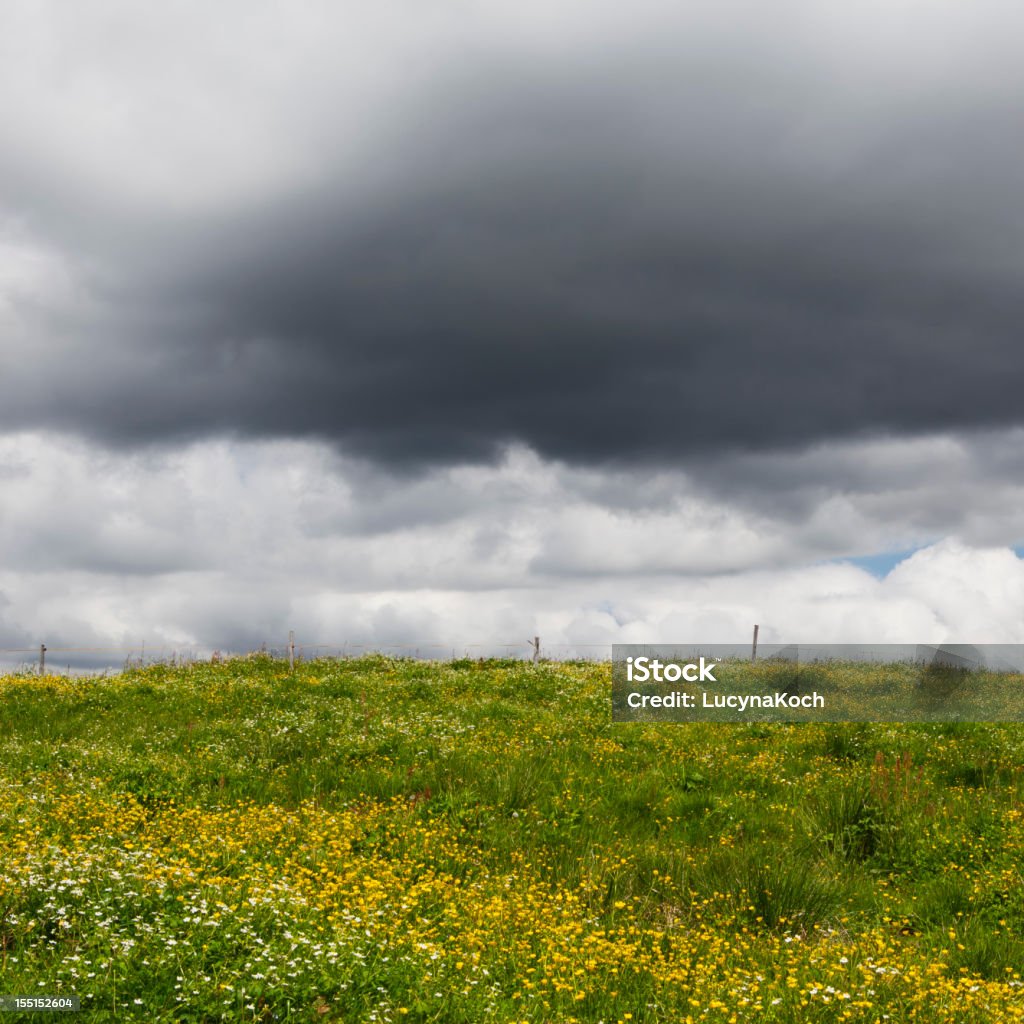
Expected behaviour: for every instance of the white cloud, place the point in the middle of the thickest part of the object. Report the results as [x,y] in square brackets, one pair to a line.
[222,545]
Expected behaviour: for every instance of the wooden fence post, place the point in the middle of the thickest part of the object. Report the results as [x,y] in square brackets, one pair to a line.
[42,659]
[291,650]
[753,650]
[536,649]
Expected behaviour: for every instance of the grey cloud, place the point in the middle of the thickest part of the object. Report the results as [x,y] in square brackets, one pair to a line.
[655,256]
[11,634]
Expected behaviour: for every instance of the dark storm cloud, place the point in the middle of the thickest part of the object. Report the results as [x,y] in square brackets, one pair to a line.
[657,257]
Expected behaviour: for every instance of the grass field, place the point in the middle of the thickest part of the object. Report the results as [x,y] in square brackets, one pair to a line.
[386,840]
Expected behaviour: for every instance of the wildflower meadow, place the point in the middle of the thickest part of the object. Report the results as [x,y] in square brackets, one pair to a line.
[403,841]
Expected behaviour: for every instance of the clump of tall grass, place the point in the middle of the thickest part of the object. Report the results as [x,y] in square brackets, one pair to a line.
[882,818]
[845,820]
[771,888]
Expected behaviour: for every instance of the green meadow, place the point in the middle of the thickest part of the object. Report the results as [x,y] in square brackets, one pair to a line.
[393,840]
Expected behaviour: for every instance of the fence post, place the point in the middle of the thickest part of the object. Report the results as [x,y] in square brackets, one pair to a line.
[291,650]
[42,659]
[753,650]
[536,649]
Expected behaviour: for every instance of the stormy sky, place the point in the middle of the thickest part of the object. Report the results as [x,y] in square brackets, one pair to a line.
[461,322]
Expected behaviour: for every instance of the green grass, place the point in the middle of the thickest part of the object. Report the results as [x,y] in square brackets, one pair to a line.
[391,840]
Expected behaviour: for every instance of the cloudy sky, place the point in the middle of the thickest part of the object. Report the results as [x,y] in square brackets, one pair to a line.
[456,323]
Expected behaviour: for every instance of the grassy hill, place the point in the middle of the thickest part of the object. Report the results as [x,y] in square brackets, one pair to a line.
[392,840]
